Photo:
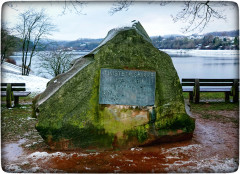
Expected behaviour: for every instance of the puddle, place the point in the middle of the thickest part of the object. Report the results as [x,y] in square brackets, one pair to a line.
[213,148]
[171,157]
[12,151]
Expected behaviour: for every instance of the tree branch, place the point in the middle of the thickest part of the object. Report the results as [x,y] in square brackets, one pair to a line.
[120,5]
[198,14]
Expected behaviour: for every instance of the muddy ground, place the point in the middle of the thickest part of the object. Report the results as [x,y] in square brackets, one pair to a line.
[213,148]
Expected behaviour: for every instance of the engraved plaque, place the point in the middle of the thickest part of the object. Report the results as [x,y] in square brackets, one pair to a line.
[127,87]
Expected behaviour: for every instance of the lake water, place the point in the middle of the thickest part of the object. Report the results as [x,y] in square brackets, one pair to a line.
[35,67]
[188,63]
[205,63]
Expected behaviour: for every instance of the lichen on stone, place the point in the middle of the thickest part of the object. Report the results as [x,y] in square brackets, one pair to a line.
[68,110]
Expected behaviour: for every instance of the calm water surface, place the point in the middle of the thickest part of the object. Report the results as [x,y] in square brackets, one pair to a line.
[188,63]
[206,63]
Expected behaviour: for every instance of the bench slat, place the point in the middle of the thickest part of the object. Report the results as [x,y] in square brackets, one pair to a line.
[211,85]
[208,80]
[19,94]
[215,84]
[215,89]
[208,89]
[188,80]
[216,80]
[188,84]
[207,84]
[13,84]
[14,89]
[187,89]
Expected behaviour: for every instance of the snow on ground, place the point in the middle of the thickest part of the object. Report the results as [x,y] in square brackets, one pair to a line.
[12,74]
[203,53]
[45,156]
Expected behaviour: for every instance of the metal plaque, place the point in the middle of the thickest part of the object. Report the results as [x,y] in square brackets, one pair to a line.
[125,87]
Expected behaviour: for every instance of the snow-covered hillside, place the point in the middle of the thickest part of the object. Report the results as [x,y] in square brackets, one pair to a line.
[202,53]
[12,74]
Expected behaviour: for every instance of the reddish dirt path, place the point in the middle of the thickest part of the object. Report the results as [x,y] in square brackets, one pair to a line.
[213,148]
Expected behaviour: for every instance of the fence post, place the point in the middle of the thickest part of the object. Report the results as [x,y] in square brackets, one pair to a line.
[227,96]
[235,90]
[9,95]
[191,96]
[196,91]
[16,101]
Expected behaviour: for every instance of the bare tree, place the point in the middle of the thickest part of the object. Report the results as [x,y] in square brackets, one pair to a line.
[55,62]
[197,14]
[120,5]
[32,28]
[8,43]
[76,6]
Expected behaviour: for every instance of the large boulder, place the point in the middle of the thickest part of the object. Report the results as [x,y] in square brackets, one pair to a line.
[70,116]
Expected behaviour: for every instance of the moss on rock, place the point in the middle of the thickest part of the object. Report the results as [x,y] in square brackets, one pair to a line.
[68,110]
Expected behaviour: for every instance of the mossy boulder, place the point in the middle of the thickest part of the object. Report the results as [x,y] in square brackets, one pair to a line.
[70,116]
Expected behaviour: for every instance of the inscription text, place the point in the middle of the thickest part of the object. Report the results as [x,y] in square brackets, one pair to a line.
[127,87]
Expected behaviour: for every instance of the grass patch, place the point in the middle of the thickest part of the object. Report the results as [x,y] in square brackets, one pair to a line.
[27,99]
[214,106]
[211,116]
[218,111]
[206,116]
[17,123]
[220,118]
[208,95]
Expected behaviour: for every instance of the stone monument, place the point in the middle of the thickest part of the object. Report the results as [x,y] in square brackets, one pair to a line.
[124,93]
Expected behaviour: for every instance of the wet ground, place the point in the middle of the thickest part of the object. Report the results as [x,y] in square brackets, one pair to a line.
[213,148]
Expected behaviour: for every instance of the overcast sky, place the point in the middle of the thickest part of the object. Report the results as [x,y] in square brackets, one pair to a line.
[95,20]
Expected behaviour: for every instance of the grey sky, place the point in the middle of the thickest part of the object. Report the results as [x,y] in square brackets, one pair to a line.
[96,21]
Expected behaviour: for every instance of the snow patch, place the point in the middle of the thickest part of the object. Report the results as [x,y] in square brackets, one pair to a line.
[203,53]
[213,164]
[113,156]
[172,157]
[11,68]
[12,74]
[25,163]
[45,155]
[87,168]
[136,149]
[38,155]
[30,118]
[218,165]
[146,157]
[184,148]
[28,145]
[35,169]
[13,168]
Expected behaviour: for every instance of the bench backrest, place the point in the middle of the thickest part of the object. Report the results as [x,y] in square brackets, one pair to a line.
[210,82]
[13,86]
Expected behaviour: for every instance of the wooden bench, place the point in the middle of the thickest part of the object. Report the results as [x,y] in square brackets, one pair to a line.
[12,91]
[195,86]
